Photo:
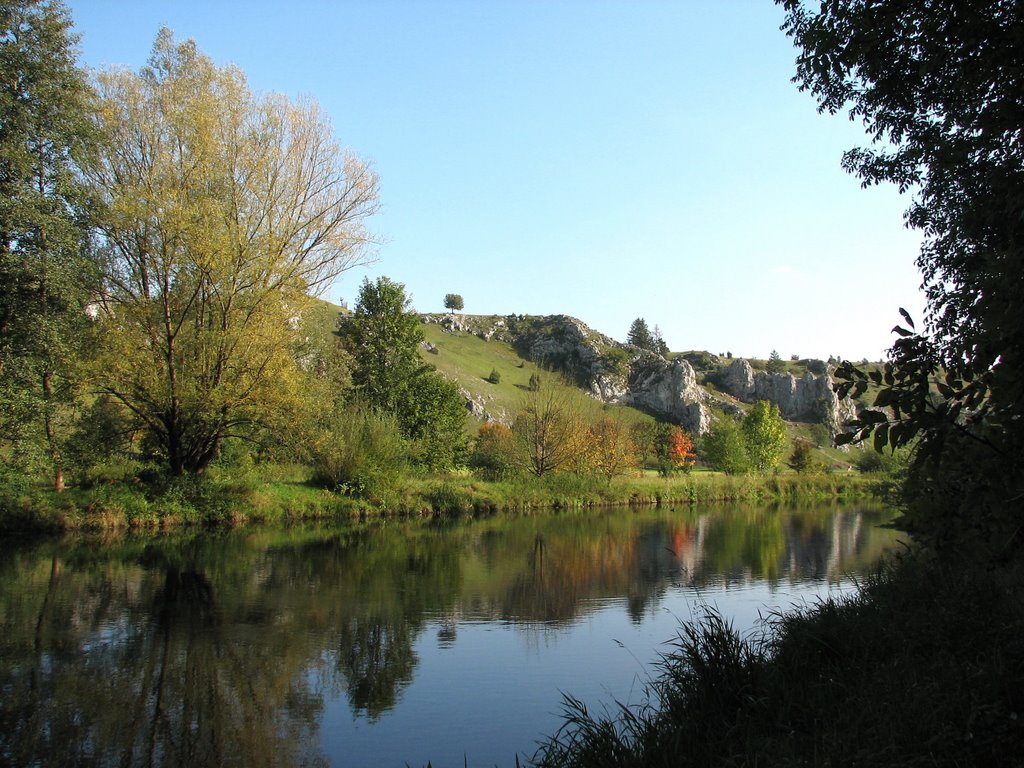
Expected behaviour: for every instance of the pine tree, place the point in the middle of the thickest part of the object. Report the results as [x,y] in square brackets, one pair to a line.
[640,335]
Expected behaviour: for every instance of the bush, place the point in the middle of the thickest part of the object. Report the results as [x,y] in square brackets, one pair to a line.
[802,459]
[362,454]
[496,455]
[495,377]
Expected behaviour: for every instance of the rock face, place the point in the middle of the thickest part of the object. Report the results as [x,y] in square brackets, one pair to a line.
[477,407]
[484,326]
[616,373]
[619,373]
[809,398]
[668,389]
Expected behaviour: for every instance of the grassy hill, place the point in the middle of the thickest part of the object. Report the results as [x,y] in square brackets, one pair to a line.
[470,360]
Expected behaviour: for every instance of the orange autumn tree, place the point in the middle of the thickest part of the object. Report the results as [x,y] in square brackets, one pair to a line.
[675,450]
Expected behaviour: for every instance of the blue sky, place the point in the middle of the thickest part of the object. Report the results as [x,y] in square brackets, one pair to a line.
[607,160]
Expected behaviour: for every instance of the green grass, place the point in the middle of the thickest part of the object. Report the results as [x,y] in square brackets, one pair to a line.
[275,494]
[469,360]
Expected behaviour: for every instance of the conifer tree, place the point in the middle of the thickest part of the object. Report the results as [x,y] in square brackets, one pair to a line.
[45,276]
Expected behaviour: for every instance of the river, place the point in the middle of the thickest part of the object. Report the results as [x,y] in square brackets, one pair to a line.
[385,644]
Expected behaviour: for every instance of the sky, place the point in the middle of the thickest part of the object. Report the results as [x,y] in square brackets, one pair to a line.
[603,159]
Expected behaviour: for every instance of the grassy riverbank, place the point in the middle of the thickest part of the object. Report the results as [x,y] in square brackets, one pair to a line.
[922,668]
[282,494]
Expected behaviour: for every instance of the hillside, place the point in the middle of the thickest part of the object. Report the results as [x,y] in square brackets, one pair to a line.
[601,375]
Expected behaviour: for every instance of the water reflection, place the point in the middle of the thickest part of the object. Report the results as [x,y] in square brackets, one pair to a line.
[229,648]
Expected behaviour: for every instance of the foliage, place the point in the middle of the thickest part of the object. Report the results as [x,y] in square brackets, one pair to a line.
[775,363]
[681,452]
[673,449]
[615,360]
[765,435]
[609,448]
[383,334]
[362,454]
[724,447]
[640,335]
[534,385]
[433,417]
[46,272]
[496,452]
[453,301]
[494,376]
[222,210]
[802,460]
[937,84]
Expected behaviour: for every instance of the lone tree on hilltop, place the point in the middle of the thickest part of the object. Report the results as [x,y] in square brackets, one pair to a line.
[453,302]
[775,364]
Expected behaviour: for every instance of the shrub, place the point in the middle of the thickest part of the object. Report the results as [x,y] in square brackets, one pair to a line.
[724,448]
[362,454]
[496,453]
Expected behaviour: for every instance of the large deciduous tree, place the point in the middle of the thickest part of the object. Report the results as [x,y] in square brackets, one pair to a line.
[45,275]
[938,86]
[223,211]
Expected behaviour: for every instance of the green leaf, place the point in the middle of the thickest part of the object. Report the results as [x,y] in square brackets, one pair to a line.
[869,417]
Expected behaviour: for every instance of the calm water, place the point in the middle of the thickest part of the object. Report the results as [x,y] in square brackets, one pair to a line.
[385,645]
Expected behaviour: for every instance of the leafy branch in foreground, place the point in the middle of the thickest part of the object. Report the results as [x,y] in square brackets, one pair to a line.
[936,85]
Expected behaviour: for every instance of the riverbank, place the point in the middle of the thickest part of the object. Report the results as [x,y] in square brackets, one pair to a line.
[283,495]
[922,667]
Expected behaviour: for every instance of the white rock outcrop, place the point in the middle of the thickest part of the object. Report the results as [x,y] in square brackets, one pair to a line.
[808,398]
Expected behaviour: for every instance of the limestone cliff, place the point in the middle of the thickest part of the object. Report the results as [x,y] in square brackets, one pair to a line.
[613,372]
[807,398]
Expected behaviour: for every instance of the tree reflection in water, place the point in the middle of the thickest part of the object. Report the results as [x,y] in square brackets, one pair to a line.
[223,649]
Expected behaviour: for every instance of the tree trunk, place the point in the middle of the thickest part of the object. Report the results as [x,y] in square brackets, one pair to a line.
[51,437]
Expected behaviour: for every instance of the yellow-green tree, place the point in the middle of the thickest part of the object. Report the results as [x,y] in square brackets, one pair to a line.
[223,211]
[610,448]
[765,435]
